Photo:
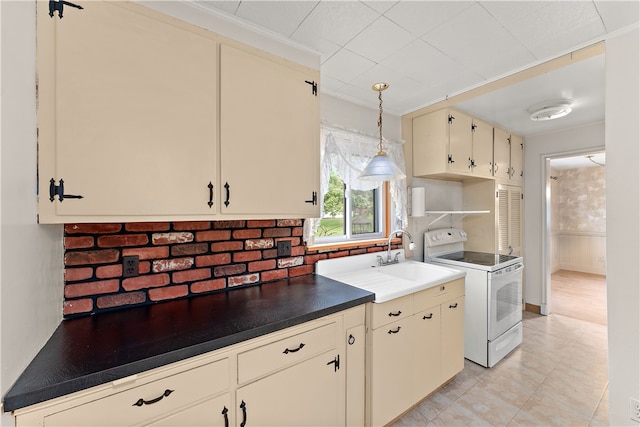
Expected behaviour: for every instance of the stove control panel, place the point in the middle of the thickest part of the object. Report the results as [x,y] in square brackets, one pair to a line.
[444,236]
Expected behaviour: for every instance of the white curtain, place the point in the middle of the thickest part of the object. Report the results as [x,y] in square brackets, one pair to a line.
[348,153]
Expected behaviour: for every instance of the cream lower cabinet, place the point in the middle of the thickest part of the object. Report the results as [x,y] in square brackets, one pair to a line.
[294,377]
[415,345]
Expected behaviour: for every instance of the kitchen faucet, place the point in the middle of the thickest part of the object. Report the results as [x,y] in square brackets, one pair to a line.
[382,262]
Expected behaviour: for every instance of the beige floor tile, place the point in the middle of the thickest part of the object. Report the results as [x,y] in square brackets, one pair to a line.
[551,411]
[457,415]
[495,408]
[601,417]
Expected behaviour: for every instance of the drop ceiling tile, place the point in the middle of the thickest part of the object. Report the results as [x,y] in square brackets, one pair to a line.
[509,11]
[278,16]
[475,39]
[379,40]
[330,84]
[380,6]
[422,62]
[346,65]
[618,14]
[336,21]
[420,17]
[559,24]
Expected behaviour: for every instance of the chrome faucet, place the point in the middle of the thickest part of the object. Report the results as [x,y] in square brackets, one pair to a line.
[395,260]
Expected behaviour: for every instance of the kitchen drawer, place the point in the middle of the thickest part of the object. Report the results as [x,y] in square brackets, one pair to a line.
[285,352]
[438,294]
[135,405]
[390,311]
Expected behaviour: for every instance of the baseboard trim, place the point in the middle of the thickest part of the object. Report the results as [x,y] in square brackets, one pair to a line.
[532,308]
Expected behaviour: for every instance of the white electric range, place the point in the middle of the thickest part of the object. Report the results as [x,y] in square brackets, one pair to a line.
[493,294]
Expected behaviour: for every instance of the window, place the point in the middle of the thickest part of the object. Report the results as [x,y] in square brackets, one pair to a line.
[353,209]
[351,214]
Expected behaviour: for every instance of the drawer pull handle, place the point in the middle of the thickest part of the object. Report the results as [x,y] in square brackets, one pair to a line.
[391,331]
[427,317]
[243,406]
[226,417]
[453,305]
[141,402]
[398,313]
[351,339]
[287,351]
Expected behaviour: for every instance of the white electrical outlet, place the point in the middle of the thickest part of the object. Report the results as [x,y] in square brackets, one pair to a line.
[634,409]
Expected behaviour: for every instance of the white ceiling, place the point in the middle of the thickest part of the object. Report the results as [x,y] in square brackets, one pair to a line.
[590,160]
[428,51]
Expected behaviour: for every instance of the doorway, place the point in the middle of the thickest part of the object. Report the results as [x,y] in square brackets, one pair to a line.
[576,236]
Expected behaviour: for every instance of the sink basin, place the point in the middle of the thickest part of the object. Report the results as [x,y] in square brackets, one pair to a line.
[386,282]
[415,271]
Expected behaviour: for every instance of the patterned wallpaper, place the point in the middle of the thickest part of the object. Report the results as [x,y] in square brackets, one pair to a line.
[578,200]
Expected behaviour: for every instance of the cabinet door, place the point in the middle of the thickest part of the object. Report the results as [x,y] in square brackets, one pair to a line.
[517,159]
[501,154]
[452,338]
[304,394]
[355,366]
[212,412]
[482,148]
[460,142]
[509,227]
[127,105]
[269,135]
[426,352]
[391,371]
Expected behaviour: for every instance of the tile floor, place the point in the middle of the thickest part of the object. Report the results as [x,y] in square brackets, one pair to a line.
[557,377]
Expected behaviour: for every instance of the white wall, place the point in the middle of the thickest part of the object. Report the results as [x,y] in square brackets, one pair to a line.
[31,282]
[622,95]
[537,148]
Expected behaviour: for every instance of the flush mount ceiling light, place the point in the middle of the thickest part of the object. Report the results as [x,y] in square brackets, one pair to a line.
[550,110]
[381,167]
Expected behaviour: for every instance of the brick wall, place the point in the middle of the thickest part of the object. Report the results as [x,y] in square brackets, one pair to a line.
[180,259]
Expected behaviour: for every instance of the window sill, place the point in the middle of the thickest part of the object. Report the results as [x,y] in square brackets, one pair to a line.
[326,247]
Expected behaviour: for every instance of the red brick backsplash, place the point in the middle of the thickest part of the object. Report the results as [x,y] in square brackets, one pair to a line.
[180,259]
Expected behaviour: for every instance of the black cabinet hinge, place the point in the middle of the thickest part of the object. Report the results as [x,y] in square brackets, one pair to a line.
[59,6]
[336,363]
[451,119]
[314,87]
[314,199]
[450,159]
[473,127]
[59,191]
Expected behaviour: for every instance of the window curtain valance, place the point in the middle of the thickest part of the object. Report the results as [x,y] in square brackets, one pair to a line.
[347,153]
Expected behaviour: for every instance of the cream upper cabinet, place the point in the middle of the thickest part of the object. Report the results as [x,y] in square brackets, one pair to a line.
[415,344]
[127,114]
[144,117]
[269,135]
[448,143]
[508,157]
[500,230]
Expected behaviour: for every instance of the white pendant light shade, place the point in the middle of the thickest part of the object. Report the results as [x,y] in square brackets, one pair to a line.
[381,167]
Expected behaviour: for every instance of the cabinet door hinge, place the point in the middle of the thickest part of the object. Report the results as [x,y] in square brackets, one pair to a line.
[451,118]
[314,199]
[314,87]
[336,363]
[509,140]
[59,6]
[59,191]
[473,127]
[450,159]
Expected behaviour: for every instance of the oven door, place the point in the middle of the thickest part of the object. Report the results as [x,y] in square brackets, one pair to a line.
[505,299]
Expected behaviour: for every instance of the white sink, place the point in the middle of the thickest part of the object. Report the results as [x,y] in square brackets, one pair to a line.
[386,282]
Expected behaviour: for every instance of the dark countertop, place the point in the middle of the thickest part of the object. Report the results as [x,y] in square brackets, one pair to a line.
[90,351]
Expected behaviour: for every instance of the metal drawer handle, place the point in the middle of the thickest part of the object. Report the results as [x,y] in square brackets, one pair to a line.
[427,317]
[141,402]
[398,313]
[391,331]
[453,305]
[287,351]
[243,406]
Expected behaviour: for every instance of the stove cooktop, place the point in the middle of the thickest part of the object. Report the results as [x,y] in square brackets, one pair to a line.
[478,258]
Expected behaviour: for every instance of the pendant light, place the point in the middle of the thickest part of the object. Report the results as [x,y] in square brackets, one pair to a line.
[381,167]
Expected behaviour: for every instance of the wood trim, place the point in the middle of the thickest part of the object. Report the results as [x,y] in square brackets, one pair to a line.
[532,308]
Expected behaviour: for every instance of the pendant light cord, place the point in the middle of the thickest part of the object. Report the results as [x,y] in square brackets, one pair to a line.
[380,120]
